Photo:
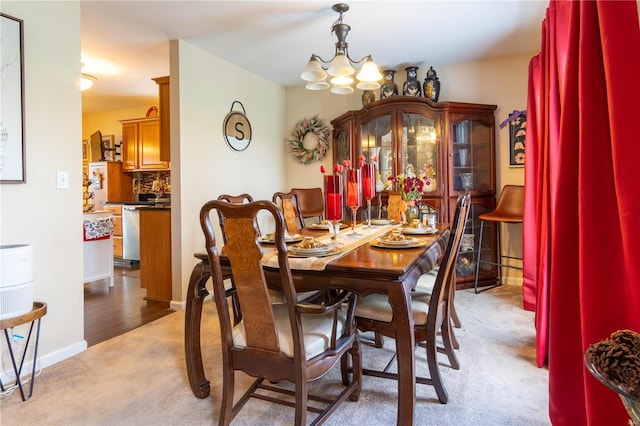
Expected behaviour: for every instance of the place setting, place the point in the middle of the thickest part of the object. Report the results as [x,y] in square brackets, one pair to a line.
[310,247]
[397,240]
[270,238]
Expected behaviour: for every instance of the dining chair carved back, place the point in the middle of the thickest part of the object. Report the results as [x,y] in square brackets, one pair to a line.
[235,199]
[429,309]
[230,287]
[311,202]
[290,341]
[289,202]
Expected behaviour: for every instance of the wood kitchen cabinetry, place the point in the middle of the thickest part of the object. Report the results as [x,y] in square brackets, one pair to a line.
[116,239]
[147,141]
[141,145]
[450,141]
[155,253]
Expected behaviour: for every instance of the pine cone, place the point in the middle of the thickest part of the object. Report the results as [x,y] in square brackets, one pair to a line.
[629,338]
[617,363]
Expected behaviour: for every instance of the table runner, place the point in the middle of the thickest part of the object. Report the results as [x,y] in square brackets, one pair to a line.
[348,243]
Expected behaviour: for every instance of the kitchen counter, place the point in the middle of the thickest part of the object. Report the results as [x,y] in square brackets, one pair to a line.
[140,203]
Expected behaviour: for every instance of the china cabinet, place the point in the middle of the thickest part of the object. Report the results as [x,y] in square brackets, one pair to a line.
[451,142]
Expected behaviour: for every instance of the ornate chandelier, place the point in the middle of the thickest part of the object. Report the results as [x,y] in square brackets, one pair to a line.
[340,68]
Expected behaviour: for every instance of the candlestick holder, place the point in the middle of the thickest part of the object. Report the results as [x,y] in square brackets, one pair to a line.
[369,187]
[333,202]
[353,192]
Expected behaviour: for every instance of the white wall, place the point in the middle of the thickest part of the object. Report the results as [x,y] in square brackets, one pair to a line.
[203,89]
[36,212]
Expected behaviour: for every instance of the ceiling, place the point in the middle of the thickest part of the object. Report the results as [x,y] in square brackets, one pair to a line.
[126,43]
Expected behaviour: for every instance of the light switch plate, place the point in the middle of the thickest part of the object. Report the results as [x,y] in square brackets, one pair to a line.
[62,179]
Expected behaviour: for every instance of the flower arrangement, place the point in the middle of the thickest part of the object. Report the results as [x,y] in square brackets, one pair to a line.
[411,187]
[430,171]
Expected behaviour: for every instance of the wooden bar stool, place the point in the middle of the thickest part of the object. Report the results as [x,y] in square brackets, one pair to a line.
[510,209]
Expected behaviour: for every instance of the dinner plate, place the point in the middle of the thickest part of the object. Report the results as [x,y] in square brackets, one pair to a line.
[414,242]
[291,238]
[311,250]
[419,231]
[380,222]
[404,242]
[330,252]
[323,226]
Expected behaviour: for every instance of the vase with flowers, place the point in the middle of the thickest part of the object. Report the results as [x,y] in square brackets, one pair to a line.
[411,188]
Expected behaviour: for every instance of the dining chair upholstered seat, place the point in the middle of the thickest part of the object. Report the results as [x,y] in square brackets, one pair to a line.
[285,342]
[510,209]
[311,202]
[430,310]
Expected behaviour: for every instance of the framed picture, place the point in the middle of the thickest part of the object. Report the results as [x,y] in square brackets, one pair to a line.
[86,151]
[109,147]
[517,133]
[12,149]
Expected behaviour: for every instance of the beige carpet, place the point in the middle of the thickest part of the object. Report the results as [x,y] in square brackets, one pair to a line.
[139,378]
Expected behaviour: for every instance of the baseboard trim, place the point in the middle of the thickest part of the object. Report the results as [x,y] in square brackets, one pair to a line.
[44,361]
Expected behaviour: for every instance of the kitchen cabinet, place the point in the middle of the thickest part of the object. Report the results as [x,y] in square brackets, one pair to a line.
[164,117]
[141,145]
[116,210]
[155,253]
[452,142]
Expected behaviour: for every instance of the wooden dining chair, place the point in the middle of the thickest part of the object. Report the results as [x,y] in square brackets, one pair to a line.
[311,202]
[429,309]
[290,341]
[235,199]
[289,202]
[427,281]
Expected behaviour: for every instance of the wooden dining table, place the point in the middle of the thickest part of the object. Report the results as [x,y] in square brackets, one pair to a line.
[365,270]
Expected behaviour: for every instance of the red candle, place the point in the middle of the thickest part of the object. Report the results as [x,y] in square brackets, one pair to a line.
[353,187]
[333,187]
[334,206]
[368,181]
[352,194]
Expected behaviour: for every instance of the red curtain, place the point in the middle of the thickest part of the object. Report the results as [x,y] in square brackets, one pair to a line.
[582,202]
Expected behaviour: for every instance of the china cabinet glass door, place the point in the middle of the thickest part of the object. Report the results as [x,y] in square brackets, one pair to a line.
[420,146]
[377,142]
[472,157]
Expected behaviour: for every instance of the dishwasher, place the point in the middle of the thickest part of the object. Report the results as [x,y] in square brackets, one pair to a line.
[131,232]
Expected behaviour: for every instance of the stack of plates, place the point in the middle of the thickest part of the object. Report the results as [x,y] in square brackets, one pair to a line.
[398,244]
[419,231]
[324,250]
[323,225]
[380,222]
[289,238]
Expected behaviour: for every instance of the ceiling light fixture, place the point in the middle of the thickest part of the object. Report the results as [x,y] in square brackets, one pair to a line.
[341,67]
[86,81]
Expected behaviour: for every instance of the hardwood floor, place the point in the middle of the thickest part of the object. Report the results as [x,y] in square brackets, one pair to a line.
[111,311]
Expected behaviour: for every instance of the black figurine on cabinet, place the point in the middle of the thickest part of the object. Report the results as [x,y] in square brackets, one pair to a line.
[432,85]
[412,85]
[389,87]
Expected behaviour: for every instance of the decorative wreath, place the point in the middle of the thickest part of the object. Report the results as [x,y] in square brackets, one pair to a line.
[300,130]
